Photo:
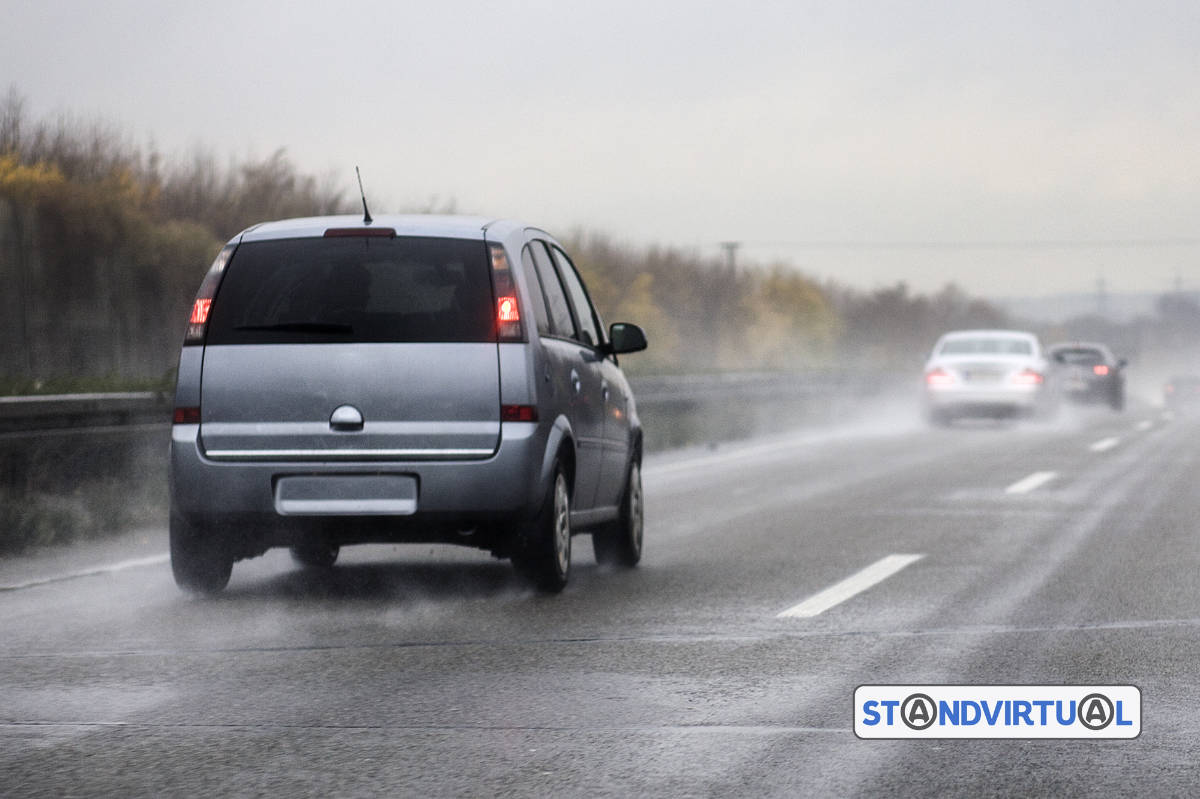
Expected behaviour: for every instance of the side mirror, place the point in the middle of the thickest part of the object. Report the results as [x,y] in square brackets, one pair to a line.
[1122,363]
[1059,357]
[624,337]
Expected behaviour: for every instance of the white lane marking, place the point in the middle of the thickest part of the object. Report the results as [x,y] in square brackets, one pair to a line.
[1027,484]
[856,583]
[1144,425]
[152,560]
[1105,444]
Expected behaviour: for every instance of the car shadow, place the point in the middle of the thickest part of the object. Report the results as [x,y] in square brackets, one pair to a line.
[392,582]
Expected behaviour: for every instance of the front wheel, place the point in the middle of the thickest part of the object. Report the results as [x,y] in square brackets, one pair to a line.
[620,544]
[542,552]
[199,560]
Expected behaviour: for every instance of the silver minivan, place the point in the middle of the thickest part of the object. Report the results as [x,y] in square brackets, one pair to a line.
[408,379]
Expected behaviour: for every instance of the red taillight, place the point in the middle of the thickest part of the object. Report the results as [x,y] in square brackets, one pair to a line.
[1028,378]
[188,415]
[939,377]
[507,310]
[1170,389]
[200,310]
[202,307]
[1100,369]
[518,413]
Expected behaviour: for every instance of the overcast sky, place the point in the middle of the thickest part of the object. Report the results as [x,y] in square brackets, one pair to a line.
[1013,148]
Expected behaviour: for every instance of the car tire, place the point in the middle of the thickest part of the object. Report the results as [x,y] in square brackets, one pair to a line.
[200,561]
[542,550]
[620,543]
[1117,401]
[319,556]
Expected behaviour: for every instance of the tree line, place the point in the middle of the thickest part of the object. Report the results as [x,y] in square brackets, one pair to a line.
[103,244]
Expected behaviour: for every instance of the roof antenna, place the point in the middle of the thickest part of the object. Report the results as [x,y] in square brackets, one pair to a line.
[366,214]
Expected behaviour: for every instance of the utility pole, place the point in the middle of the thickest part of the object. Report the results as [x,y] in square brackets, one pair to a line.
[731,248]
[719,292]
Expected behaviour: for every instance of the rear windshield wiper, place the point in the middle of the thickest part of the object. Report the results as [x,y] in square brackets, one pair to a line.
[302,327]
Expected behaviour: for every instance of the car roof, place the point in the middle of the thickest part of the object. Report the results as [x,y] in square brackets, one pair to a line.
[988,334]
[439,225]
[1080,345]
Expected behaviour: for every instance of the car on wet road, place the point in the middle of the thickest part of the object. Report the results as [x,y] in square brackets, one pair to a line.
[1090,373]
[424,379]
[987,374]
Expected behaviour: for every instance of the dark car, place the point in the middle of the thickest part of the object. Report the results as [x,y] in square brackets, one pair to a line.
[1182,393]
[414,379]
[1090,373]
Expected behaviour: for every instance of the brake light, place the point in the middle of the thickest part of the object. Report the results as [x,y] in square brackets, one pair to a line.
[1028,378]
[200,311]
[518,413]
[187,415]
[508,310]
[939,377]
[202,307]
[507,307]
[1170,388]
[369,232]
[1100,369]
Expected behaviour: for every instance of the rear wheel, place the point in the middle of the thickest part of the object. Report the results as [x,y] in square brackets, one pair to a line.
[318,556]
[542,551]
[620,544]
[199,560]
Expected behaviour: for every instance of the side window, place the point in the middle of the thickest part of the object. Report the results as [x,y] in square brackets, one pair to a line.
[537,296]
[561,323]
[589,332]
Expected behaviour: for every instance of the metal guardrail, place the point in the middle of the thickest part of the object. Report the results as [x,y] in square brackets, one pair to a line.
[749,385]
[59,411]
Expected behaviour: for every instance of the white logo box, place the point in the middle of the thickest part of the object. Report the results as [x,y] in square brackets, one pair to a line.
[998,711]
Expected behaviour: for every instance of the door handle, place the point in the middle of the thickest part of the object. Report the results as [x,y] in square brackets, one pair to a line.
[576,383]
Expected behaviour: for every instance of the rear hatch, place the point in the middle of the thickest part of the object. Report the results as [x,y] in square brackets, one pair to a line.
[352,348]
[984,370]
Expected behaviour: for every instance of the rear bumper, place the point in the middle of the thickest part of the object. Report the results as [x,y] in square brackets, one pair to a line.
[1094,391]
[961,401]
[450,495]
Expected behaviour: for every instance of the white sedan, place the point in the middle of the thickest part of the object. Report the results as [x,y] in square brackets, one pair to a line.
[986,373]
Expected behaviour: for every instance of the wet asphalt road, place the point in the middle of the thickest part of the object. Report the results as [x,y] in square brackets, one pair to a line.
[418,671]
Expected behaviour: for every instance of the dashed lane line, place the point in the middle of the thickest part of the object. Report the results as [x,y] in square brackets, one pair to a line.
[853,585]
[135,563]
[1105,444]
[1033,481]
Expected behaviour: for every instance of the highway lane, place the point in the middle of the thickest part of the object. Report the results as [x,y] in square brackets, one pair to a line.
[431,671]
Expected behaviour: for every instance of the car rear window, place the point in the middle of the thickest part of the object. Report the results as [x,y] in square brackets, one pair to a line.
[355,289]
[1082,356]
[987,346]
